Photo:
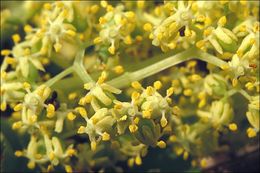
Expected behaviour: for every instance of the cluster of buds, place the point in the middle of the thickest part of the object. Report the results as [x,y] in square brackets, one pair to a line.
[115,25]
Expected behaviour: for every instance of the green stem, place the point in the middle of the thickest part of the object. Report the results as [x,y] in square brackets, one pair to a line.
[58,77]
[192,53]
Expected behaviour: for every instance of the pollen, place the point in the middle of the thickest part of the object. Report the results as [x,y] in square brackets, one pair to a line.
[16,38]
[232,127]
[135,95]
[133,128]
[136,85]
[149,91]
[71,116]
[146,114]
[27,28]
[57,47]
[251,132]
[111,49]
[17,125]
[71,152]
[222,21]
[157,85]
[169,91]
[118,69]
[161,144]
[50,110]
[3,106]
[5,52]
[72,96]
[138,160]
[81,130]
[203,163]
[97,40]
[68,169]
[71,33]
[82,111]
[26,85]
[105,136]
[18,107]
[18,153]
[148,27]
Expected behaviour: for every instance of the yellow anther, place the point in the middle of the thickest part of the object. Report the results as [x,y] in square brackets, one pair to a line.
[81,37]
[97,40]
[249,86]
[138,160]
[32,118]
[187,32]
[169,91]
[47,6]
[251,132]
[59,4]
[94,9]
[178,150]
[118,106]
[173,138]
[130,14]
[200,18]
[161,144]
[81,130]
[72,96]
[103,4]
[112,49]
[123,118]
[31,165]
[27,52]
[160,36]
[88,98]
[232,127]
[71,152]
[149,91]
[51,156]
[16,38]
[200,44]
[128,40]
[71,116]
[136,120]
[82,111]
[38,156]
[222,21]
[195,77]
[148,27]
[147,114]
[140,4]
[224,67]
[26,85]
[50,110]
[130,162]
[57,47]
[68,169]
[157,85]
[102,77]
[93,145]
[5,52]
[151,36]
[207,32]
[163,121]
[185,155]
[239,53]
[139,38]
[3,106]
[187,92]
[17,125]
[202,103]
[105,136]
[18,107]
[136,85]
[109,8]
[234,82]
[176,110]
[18,153]
[65,13]
[102,20]
[252,41]
[242,28]
[133,128]
[71,33]
[203,163]
[118,69]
